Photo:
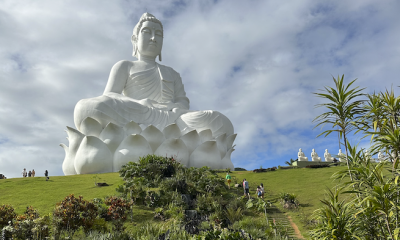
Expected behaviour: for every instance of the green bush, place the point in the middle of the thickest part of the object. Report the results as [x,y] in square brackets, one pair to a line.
[72,213]
[118,210]
[7,214]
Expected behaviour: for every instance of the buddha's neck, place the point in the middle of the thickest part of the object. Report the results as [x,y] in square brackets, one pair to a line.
[147,59]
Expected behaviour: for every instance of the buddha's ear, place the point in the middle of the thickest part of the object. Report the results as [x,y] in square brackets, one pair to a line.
[133,40]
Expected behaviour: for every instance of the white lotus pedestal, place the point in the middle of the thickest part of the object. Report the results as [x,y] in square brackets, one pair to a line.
[98,150]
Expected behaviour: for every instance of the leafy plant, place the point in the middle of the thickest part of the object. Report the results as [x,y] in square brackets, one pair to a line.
[291,162]
[335,219]
[288,200]
[233,214]
[118,210]
[7,214]
[342,107]
[72,213]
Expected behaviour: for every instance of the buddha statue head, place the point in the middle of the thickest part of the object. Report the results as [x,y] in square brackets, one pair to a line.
[147,37]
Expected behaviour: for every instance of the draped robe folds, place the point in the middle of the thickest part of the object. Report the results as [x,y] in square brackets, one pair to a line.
[160,85]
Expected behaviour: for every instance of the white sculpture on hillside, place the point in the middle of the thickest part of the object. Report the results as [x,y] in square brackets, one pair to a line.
[327,156]
[341,156]
[144,110]
[301,156]
[314,156]
[381,157]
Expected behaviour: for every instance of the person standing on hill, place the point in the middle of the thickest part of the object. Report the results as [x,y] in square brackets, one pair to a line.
[262,190]
[24,173]
[246,188]
[29,174]
[46,173]
[228,179]
[33,173]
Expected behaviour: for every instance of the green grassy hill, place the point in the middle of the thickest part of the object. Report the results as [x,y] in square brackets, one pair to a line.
[308,184]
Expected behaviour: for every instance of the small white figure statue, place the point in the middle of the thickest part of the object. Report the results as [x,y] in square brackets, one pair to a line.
[394,155]
[342,156]
[301,156]
[327,156]
[314,156]
[381,157]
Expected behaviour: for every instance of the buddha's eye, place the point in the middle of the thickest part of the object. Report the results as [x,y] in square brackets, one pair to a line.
[145,30]
[159,33]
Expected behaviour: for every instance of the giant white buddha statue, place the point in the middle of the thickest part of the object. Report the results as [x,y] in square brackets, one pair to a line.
[144,110]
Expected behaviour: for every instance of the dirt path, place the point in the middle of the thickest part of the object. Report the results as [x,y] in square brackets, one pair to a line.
[295,228]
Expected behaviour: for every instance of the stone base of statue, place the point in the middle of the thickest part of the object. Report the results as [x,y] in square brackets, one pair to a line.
[99,150]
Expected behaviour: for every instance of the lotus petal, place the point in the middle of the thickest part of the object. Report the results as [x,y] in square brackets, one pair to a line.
[207,154]
[229,140]
[216,126]
[93,156]
[75,138]
[154,136]
[130,150]
[174,147]
[226,161]
[91,127]
[186,130]
[191,140]
[205,135]
[132,128]
[112,135]
[172,131]
[68,163]
[221,143]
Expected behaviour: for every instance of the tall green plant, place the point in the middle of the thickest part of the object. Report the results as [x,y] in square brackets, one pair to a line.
[381,122]
[335,219]
[342,109]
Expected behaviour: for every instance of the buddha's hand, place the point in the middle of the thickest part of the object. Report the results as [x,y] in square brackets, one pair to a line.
[147,102]
[167,106]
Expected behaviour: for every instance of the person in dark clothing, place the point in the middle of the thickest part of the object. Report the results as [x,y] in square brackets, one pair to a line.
[46,173]
[29,174]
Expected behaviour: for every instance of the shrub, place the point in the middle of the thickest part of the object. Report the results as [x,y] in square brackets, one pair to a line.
[233,214]
[28,226]
[289,200]
[7,214]
[118,210]
[72,213]
[317,166]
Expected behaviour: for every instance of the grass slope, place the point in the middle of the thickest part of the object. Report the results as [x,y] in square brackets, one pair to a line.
[43,195]
[308,184]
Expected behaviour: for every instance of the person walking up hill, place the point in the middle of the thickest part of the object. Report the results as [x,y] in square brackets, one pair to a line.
[246,188]
[228,179]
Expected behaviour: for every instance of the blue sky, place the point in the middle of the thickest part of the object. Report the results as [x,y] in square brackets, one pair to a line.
[258,62]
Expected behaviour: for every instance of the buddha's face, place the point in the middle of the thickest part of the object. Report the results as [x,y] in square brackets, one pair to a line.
[150,39]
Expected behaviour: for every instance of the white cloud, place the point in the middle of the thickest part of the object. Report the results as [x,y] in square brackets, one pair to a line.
[258,61]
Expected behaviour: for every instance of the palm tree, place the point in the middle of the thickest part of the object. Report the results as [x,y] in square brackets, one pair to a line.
[291,162]
[343,109]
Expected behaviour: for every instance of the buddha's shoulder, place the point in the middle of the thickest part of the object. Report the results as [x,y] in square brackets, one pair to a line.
[166,68]
[123,64]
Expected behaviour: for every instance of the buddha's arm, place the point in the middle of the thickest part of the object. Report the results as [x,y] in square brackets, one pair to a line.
[118,76]
[180,98]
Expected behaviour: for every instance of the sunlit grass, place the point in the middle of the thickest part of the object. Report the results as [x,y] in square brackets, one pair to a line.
[308,184]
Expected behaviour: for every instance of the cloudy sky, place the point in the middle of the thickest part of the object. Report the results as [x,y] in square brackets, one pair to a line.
[258,62]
